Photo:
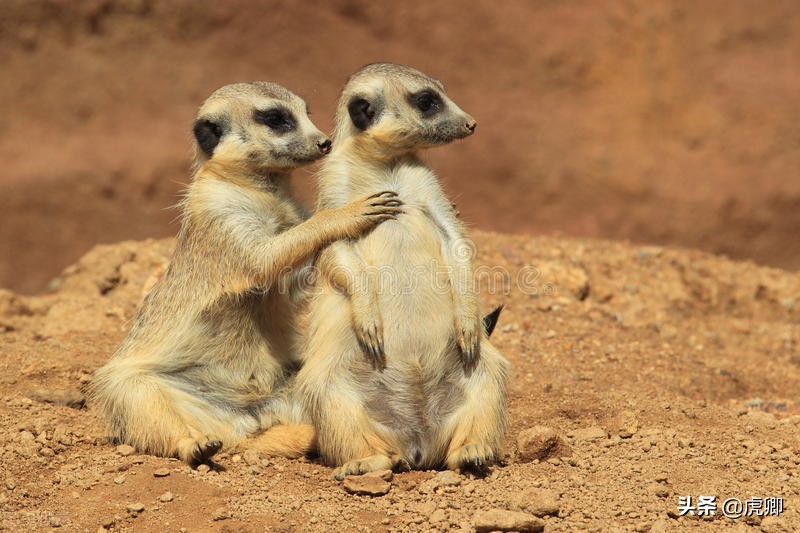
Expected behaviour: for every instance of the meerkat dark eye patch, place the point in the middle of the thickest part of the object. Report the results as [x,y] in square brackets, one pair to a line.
[277,119]
[427,101]
[362,112]
[208,135]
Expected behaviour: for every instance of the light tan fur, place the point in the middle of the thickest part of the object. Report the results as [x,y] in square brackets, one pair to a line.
[211,355]
[406,377]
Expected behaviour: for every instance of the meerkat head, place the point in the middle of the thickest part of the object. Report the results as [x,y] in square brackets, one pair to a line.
[258,127]
[399,110]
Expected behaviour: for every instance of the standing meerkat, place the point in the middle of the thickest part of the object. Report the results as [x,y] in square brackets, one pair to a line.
[211,354]
[407,376]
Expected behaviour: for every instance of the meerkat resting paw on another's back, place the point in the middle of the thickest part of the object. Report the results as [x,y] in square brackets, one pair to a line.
[408,377]
[211,356]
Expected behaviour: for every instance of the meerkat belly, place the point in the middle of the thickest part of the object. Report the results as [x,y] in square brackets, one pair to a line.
[232,359]
[413,401]
[413,285]
[417,390]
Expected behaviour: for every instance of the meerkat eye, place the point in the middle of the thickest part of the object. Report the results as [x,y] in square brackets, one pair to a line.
[277,119]
[427,101]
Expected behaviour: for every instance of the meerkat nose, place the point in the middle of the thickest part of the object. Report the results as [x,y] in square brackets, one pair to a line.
[471,125]
[325,146]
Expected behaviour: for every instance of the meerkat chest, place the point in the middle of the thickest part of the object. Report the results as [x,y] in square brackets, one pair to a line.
[282,214]
[415,237]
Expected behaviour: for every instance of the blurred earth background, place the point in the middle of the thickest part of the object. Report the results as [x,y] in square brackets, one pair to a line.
[659,122]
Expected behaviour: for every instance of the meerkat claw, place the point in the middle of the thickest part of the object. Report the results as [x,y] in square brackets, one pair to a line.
[373,349]
[210,449]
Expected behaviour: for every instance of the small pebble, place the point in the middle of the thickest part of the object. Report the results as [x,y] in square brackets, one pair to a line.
[540,443]
[124,450]
[134,508]
[503,520]
[366,485]
[221,513]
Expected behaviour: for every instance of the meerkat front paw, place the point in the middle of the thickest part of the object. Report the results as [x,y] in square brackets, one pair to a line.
[468,338]
[365,213]
[368,327]
[362,466]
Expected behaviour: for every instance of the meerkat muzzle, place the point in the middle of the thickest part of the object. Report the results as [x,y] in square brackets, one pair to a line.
[325,146]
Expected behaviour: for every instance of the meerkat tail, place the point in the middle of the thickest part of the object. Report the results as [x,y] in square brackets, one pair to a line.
[284,440]
[490,320]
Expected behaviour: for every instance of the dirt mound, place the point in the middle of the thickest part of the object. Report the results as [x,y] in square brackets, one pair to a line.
[652,121]
[641,375]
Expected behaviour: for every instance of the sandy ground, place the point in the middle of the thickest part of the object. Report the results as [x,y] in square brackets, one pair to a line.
[670,122]
[659,372]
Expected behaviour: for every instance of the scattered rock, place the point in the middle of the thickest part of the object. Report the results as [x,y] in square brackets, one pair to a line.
[439,515]
[366,485]
[134,508]
[660,526]
[203,468]
[25,436]
[68,397]
[625,424]
[161,472]
[447,478]
[658,489]
[46,452]
[221,513]
[60,435]
[540,442]
[503,520]
[538,502]
[590,433]
[166,497]
[55,521]
[124,450]
[386,475]
[251,457]
[119,480]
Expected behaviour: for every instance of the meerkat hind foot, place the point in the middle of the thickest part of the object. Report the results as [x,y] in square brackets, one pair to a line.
[363,466]
[195,453]
[476,458]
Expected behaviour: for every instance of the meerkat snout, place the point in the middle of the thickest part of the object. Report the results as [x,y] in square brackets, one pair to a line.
[325,146]
[471,125]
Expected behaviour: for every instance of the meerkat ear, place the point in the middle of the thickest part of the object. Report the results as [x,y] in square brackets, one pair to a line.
[208,134]
[362,112]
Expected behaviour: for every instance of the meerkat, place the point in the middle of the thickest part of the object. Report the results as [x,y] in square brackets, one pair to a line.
[407,376]
[210,356]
